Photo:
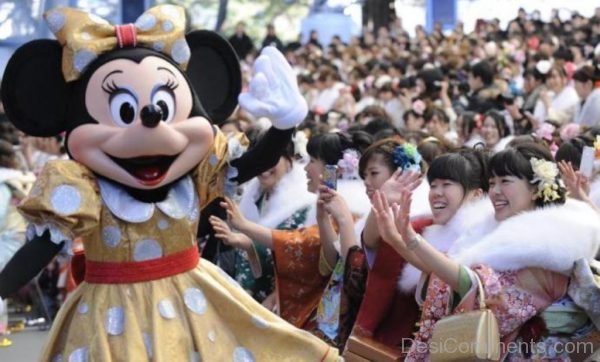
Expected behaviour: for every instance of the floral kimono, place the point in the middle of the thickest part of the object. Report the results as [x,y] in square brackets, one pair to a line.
[525,264]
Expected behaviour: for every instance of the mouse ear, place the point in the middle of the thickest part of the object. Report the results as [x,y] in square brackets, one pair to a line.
[214,71]
[34,92]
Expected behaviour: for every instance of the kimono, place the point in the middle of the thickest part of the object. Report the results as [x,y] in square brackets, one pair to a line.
[390,311]
[280,212]
[525,263]
[301,279]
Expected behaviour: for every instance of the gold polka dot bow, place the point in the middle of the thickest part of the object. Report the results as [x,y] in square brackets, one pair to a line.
[84,36]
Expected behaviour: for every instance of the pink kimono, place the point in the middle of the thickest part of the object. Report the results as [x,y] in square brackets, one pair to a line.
[525,264]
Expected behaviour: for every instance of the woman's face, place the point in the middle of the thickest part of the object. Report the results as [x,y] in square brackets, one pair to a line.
[555,81]
[436,126]
[445,198]
[583,89]
[314,169]
[511,195]
[376,174]
[490,132]
[414,123]
[270,178]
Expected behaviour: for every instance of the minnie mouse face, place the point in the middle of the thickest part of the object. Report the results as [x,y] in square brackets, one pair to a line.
[144,136]
[133,116]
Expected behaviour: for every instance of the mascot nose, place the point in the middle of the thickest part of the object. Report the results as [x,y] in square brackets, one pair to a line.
[151,115]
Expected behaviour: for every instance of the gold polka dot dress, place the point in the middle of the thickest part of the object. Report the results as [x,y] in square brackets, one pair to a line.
[139,301]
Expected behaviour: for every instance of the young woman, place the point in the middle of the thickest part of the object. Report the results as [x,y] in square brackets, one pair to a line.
[587,86]
[558,100]
[266,201]
[457,184]
[305,258]
[524,256]
[495,132]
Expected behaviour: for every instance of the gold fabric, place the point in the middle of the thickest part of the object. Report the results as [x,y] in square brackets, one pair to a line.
[197,315]
[85,36]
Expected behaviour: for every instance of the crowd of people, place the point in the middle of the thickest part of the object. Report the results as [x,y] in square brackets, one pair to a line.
[459,160]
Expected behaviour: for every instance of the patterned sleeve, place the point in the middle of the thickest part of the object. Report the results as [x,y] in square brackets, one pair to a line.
[64,200]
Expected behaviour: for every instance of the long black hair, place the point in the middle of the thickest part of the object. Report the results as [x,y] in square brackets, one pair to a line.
[330,147]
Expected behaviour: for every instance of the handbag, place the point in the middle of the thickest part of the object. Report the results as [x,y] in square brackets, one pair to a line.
[471,336]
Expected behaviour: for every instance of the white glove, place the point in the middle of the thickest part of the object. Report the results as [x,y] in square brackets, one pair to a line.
[273,91]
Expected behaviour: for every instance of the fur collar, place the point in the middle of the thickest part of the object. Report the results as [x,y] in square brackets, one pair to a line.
[288,196]
[551,238]
[595,191]
[443,236]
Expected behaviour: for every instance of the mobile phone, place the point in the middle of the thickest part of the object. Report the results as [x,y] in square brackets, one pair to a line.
[330,176]
[586,166]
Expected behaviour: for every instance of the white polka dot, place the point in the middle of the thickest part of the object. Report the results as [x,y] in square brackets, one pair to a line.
[158,46]
[148,344]
[65,199]
[79,355]
[163,224]
[194,214]
[259,322]
[96,19]
[83,308]
[147,249]
[55,20]
[241,354]
[115,321]
[167,26]
[171,11]
[166,309]
[180,51]
[82,59]
[194,299]
[145,22]
[86,36]
[57,358]
[212,336]
[111,236]
[194,356]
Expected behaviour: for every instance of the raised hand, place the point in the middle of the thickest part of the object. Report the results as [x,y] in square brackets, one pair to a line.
[332,203]
[576,183]
[399,181]
[384,215]
[223,232]
[402,215]
[273,91]
[234,215]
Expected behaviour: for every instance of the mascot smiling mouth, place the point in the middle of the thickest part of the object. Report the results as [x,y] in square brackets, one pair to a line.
[150,170]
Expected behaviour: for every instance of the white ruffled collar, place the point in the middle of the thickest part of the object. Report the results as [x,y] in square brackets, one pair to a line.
[181,201]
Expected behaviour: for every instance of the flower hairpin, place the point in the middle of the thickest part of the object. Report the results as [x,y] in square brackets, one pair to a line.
[543,66]
[597,147]
[545,173]
[406,157]
[348,164]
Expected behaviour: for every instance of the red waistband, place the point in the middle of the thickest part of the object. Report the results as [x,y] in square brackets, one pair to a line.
[141,271]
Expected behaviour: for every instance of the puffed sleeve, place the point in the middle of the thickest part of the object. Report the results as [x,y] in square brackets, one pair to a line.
[64,200]
[215,176]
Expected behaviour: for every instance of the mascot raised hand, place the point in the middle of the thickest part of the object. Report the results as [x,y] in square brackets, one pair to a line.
[138,103]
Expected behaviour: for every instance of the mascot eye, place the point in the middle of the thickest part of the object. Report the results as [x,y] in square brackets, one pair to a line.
[123,107]
[164,99]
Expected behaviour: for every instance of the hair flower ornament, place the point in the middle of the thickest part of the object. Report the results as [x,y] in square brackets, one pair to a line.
[597,147]
[545,173]
[543,66]
[349,164]
[406,157]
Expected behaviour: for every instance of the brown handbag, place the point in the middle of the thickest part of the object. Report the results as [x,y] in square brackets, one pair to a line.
[471,336]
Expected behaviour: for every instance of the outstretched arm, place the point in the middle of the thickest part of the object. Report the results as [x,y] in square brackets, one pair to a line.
[27,263]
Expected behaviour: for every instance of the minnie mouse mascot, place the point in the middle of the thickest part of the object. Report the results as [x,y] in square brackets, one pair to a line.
[136,102]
